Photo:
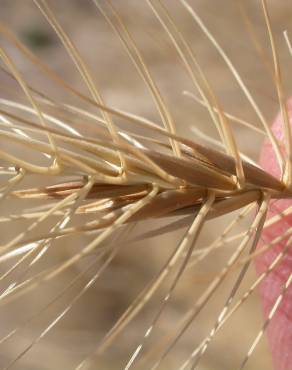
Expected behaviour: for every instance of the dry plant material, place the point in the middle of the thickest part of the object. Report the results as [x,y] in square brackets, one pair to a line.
[94,172]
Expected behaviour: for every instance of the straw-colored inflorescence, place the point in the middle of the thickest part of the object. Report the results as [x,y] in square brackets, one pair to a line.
[98,178]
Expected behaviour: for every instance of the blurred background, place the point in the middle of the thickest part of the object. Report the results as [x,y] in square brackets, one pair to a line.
[81,329]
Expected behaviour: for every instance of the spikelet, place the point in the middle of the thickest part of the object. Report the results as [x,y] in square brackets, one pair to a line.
[90,192]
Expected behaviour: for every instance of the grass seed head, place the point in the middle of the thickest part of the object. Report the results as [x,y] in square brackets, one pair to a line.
[84,182]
